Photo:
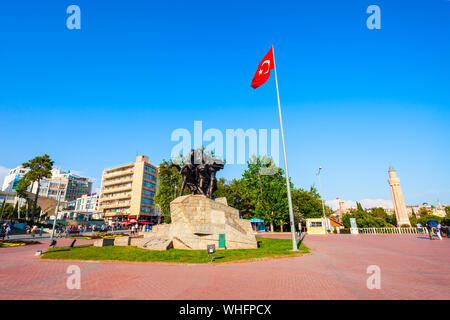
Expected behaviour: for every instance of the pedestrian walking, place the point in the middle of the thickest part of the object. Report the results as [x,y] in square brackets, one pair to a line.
[7,231]
[430,230]
[33,230]
[438,231]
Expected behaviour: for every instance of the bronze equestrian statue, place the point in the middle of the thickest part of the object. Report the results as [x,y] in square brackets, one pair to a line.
[199,173]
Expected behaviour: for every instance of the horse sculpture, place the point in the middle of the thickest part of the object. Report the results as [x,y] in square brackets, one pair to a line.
[199,173]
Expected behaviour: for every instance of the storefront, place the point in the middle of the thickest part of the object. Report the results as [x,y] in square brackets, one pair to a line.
[258,225]
[315,226]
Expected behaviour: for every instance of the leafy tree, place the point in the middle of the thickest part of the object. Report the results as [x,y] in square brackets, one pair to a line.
[232,191]
[391,219]
[307,204]
[359,207]
[413,219]
[22,192]
[3,209]
[40,167]
[169,182]
[447,210]
[423,220]
[379,212]
[15,212]
[264,195]
[7,210]
[423,212]
[364,220]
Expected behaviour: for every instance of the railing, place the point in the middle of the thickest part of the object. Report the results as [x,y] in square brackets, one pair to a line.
[397,230]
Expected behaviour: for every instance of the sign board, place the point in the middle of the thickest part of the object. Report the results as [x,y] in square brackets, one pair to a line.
[211,248]
[353,223]
[222,240]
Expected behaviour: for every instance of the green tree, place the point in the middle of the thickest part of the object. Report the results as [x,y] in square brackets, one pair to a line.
[7,210]
[359,208]
[168,187]
[232,191]
[22,192]
[423,212]
[447,210]
[413,219]
[423,220]
[379,212]
[308,204]
[263,190]
[391,219]
[3,209]
[40,167]
[364,220]
[15,212]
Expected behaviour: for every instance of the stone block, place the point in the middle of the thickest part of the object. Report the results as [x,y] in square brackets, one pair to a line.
[154,243]
[122,241]
[104,242]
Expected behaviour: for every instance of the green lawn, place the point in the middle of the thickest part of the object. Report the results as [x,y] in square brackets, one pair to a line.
[267,248]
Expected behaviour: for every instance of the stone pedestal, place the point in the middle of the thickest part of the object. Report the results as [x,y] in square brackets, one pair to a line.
[197,221]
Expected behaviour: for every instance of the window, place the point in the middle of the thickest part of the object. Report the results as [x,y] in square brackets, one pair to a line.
[149,177]
[150,169]
[147,210]
[148,193]
[146,201]
[149,185]
[315,224]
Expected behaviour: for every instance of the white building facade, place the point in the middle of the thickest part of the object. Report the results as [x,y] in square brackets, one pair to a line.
[13,177]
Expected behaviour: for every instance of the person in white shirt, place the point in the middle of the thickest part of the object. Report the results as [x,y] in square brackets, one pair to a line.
[33,230]
[438,231]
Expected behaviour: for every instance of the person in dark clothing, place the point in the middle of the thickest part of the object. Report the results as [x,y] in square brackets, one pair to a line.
[430,230]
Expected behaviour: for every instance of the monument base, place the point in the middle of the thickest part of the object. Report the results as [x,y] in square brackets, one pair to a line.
[197,221]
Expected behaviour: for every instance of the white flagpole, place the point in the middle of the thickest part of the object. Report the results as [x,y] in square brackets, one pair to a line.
[291,212]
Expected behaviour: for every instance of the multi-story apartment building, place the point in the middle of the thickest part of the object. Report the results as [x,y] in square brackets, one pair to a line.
[13,177]
[70,186]
[83,208]
[127,191]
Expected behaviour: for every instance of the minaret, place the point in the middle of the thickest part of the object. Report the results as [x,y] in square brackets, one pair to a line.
[342,207]
[397,198]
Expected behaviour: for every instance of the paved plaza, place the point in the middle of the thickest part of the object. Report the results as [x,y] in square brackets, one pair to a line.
[412,267]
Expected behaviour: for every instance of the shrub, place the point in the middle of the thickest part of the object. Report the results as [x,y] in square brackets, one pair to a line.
[423,220]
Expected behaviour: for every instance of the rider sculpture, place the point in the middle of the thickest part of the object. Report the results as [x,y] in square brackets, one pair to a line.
[199,173]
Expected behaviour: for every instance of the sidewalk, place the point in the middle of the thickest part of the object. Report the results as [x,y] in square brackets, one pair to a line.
[412,267]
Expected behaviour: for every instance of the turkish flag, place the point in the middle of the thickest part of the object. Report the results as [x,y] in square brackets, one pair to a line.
[263,71]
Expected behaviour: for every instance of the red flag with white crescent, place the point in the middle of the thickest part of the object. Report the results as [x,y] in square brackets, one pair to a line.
[263,71]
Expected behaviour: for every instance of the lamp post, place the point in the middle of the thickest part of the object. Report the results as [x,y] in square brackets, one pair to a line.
[321,197]
[56,209]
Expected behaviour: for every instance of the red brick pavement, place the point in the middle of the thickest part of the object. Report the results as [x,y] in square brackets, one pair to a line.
[412,267]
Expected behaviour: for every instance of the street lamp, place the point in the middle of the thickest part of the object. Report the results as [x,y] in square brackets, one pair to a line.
[323,204]
[56,209]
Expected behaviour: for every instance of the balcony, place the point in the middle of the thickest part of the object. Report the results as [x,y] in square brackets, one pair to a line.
[118,204]
[117,189]
[115,174]
[107,183]
[116,197]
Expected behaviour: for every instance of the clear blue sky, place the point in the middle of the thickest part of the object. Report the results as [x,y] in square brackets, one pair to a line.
[354,100]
